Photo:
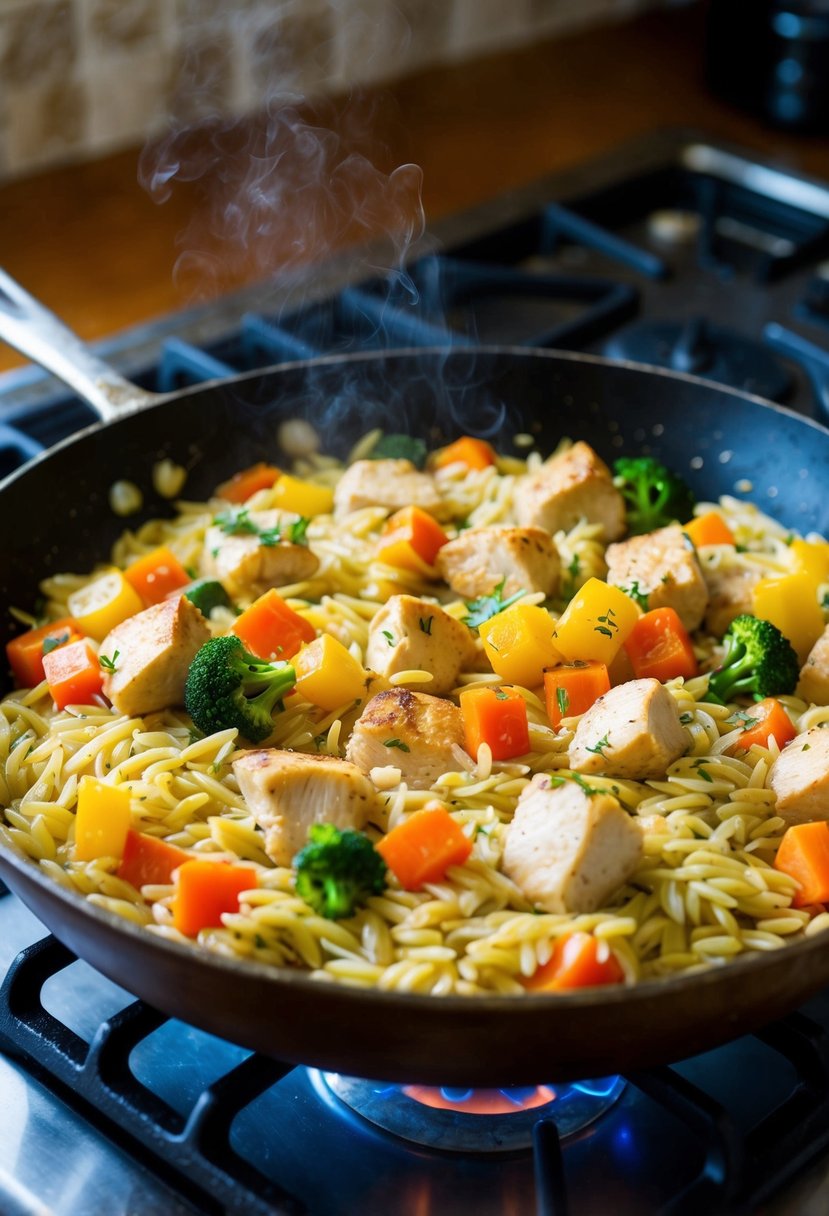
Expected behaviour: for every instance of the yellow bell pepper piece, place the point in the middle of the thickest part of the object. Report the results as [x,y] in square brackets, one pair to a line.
[304,497]
[102,820]
[519,644]
[791,604]
[104,603]
[811,557]
[595,623]
[327,674]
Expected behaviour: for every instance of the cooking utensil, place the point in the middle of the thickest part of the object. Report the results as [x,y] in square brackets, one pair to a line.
[56,517]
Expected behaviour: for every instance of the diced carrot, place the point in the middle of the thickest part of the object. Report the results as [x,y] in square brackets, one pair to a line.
[102,819]
[474,453]
[804,855]
[709,529]
[411,540]
[25,652]
[155,575]
[241,485]
[763,721]
[659,647]
[575,963]
[571,688]
[205,891]
[148,860]
[498,717]
[271,629]
[422,847]
[73,673]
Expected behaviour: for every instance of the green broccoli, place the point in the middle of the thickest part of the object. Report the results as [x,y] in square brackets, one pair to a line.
[654,495]
[759,662]
[226,686]
[338,870]
[400,447]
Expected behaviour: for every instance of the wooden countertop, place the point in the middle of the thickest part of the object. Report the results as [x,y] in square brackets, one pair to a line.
[91,244]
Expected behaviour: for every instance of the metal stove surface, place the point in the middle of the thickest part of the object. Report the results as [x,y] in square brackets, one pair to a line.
[108,1107]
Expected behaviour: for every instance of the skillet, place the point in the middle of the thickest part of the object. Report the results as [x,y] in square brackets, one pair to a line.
[55,517]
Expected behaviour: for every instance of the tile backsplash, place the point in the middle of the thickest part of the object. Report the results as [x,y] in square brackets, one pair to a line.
[79,78]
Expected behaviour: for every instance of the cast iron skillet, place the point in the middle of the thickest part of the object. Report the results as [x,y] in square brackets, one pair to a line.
[55,517]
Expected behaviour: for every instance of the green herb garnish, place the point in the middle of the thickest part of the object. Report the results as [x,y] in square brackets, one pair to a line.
[107,663]
[598,750]
[398,743]
[487,606]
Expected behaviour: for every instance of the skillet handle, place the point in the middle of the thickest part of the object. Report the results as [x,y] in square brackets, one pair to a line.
[37,333]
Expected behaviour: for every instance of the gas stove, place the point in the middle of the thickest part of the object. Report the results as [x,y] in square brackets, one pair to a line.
[675,251]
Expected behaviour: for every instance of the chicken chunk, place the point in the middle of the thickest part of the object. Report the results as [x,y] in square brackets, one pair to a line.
[814,675]
[419,734]
[409,634]
[288,792]
[480,558]
[152,652]
[664,566]
[570,850]
[631,731]
[248,564]
[574,485]
[392,484]
[800,777]
[730,594]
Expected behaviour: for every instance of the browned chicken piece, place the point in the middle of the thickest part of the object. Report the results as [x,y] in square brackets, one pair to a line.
[730,594]
[477,560]
[814,675]
[392,484]
[800,777]
[631,731]
[569,849]
[249,565]
[664,566]
[419,734]
[574,485]
[409,634]
[287,792]
[152,652]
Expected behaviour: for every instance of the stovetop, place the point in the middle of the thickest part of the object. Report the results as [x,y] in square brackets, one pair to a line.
[675,251]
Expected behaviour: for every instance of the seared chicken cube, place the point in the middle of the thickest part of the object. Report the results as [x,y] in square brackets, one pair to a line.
[288,792]
[665,568]
[576,484]
[569,849]
[409,634]
[814,675]
[249,563]
[800,777]
[730,594]
[418,734]
[392,484]
[631,731]
[151,653]
[479,559]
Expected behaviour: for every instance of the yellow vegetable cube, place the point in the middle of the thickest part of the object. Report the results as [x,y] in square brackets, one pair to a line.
[811,557]
[304,497]
[791,604]
[101,821]
[595,623]
[519,644]
[104,603]
[327,674]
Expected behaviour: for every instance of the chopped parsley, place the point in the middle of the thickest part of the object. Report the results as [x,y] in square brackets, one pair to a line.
[52,643]
[487,606]
[639,597]
[686,718]
[577,779]
[573,569]
[388,636]
[239,523]
[107,663]
[562,700]
[598,750]
[606,624]
[500,695]
[425,623]
[398,743]
[741,716]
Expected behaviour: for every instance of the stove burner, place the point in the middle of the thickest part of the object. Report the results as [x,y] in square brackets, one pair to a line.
[472,1120]
[711,351]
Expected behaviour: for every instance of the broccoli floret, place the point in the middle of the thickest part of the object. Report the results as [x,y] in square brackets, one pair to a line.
[338,870]
[759,662]
[226,686]
[654,495]
[400,447]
